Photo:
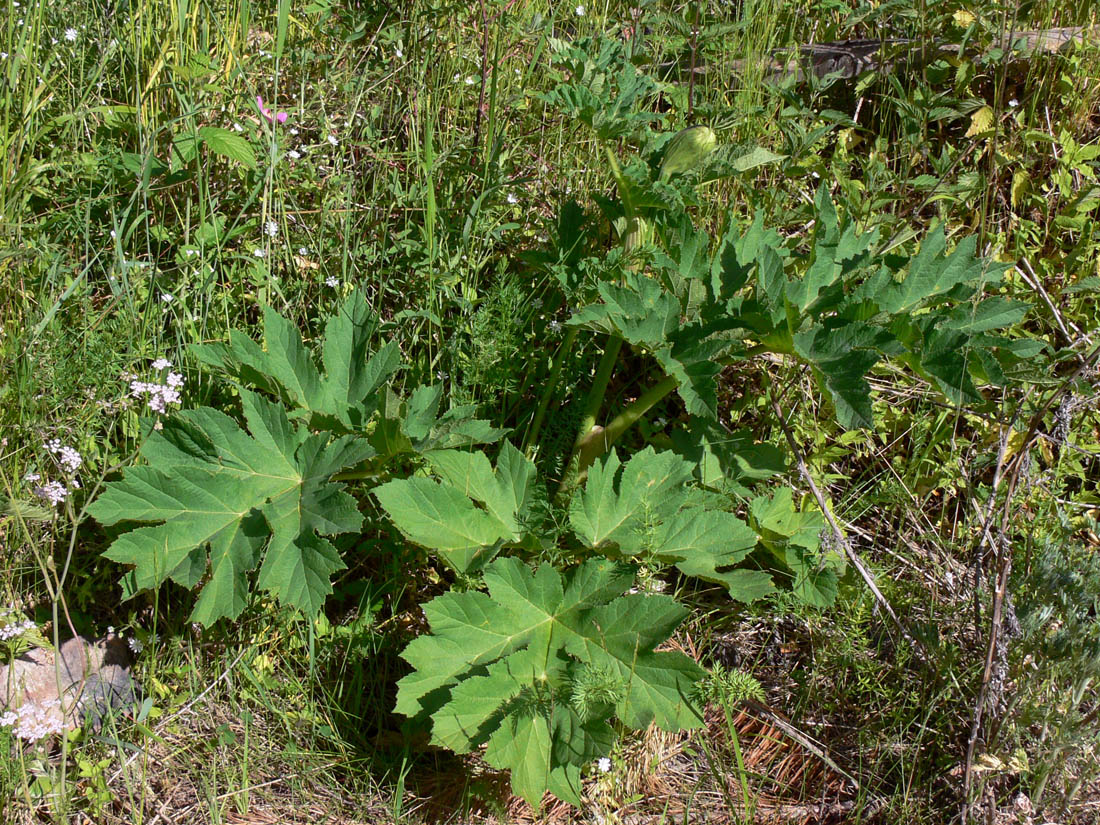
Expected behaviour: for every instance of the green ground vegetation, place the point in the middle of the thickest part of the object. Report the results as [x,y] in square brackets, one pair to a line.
[531,411]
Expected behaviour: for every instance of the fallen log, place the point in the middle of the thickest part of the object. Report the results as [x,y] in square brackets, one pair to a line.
[849,59]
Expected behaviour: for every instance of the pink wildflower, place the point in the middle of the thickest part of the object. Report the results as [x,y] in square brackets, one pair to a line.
[281,116]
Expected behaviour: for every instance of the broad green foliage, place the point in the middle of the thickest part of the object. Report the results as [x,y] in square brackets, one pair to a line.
[221,502]
[536,668]
[646,509]
[227,500]
[794,537]
[344,397]
[604,90]
[471,512]
[839,308]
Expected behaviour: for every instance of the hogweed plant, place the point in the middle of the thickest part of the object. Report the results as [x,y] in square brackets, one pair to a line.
[548,645]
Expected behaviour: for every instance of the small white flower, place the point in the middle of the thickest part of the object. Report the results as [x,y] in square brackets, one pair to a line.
[555,326]
[237,127]
[603,764]
[16,629]
[259,253]
[333,141]
[1013,103]
[70,459]
[33,721]
[332,281]
[161,364]
[471,80]
[303,250]
[579,11]
[512,198]
[32,477]
[135,645]
[167,297]
[52,492]
[293,130]
[271,229]
[293,154]
[175,380]
[71,34]
[398,53]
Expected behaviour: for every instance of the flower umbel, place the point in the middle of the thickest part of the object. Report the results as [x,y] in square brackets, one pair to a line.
[33,721]
[159,395]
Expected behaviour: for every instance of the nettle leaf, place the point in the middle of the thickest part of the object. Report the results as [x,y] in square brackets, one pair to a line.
[471,511]
[345,397]
[646,509]
[508,670]
[227,144]
[227,500]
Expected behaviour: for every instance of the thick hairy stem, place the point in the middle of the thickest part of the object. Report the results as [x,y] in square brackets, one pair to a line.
[596,441]
[591,410]
[600,439]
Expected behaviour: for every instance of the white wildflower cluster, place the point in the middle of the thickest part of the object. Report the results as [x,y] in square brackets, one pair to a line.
[52,492]
[159,395]
[33,721]
[67,456]
[13,630]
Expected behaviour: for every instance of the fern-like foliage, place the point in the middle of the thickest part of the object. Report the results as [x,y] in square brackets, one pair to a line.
[536,669]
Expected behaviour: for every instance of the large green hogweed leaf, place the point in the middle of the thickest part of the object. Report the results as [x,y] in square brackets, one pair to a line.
[471,511]
[224,500]
[645,509]
[505,670]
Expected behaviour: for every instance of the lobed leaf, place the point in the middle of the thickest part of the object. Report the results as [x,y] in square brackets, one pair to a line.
[498,669]
[229,499]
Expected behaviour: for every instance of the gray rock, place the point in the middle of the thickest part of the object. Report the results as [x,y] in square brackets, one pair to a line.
[86,682]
